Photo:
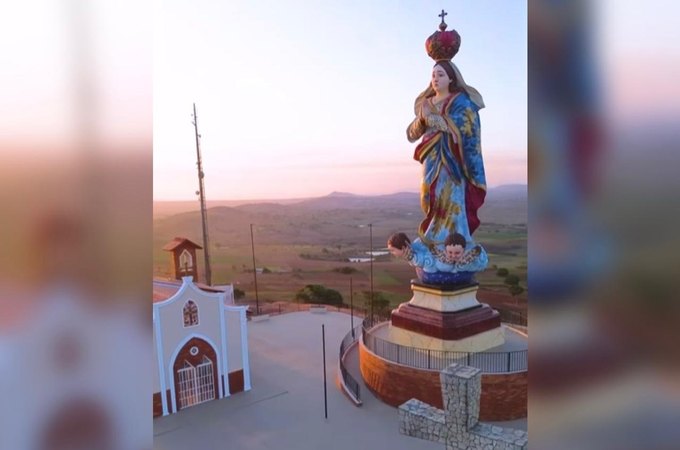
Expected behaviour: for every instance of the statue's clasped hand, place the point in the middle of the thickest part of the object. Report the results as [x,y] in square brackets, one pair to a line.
[435,121]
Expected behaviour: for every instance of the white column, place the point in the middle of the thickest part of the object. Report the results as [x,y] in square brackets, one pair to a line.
[161,368]
[225,363]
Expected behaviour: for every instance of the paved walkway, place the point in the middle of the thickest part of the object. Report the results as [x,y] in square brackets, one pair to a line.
[285,408]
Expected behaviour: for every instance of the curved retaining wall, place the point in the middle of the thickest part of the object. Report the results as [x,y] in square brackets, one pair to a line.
[504,396]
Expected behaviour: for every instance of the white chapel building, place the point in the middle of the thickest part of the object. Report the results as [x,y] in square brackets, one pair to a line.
[200,338]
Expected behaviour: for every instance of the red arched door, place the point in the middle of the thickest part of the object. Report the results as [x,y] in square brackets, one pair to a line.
[195,373]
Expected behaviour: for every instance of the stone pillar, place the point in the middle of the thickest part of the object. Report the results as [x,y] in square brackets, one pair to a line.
[458,424]
[461,390]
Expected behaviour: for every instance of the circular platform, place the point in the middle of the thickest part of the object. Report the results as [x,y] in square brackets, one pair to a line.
[397,373]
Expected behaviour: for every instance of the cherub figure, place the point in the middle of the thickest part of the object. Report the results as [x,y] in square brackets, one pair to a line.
[449,265]
[454,248]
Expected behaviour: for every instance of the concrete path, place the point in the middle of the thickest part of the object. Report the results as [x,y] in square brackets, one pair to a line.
[285,408]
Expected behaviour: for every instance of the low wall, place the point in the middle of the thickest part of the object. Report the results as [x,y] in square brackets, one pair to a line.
[504,396]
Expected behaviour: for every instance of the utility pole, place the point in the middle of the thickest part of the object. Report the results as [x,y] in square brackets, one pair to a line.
[204,211]
[370,230]
[325,389]
[351,307]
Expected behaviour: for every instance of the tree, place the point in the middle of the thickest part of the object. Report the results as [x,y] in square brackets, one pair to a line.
[515,290]
[316,293]
[380,302]
[512,280]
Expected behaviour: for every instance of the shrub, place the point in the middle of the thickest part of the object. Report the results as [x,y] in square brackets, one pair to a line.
[380,302]
[316,293]
[515,290]
[512,280]
[502,272]
[238,294]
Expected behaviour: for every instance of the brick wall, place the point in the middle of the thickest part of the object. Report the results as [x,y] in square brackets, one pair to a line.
[504,396]
[158,405]
[395,384]
[236,381]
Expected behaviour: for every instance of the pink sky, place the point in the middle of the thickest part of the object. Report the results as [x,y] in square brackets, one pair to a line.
[327,110]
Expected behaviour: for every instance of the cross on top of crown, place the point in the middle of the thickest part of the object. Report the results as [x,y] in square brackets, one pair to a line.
[442,26]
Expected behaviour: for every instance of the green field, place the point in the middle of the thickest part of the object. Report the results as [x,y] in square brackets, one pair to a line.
[303,243]
[291,272]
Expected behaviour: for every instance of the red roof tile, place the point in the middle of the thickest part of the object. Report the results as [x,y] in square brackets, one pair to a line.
[170,246]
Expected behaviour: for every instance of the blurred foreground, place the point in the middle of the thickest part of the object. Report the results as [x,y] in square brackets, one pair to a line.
[603,209]
[75,327]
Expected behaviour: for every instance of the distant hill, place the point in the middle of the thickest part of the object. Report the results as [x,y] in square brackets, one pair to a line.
[506,204]
[165,208]
[341,194]
[401,200]
[509,190]
[329,220]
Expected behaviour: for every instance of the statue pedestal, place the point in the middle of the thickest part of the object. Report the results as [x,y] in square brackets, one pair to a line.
[437,299]
[446,318]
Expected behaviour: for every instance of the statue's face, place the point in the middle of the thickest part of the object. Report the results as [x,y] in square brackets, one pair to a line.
[440,80]
[398,252]
[454,252]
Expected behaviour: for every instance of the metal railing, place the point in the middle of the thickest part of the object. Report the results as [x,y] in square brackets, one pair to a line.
[348,379]
[422,358]
[513,317]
